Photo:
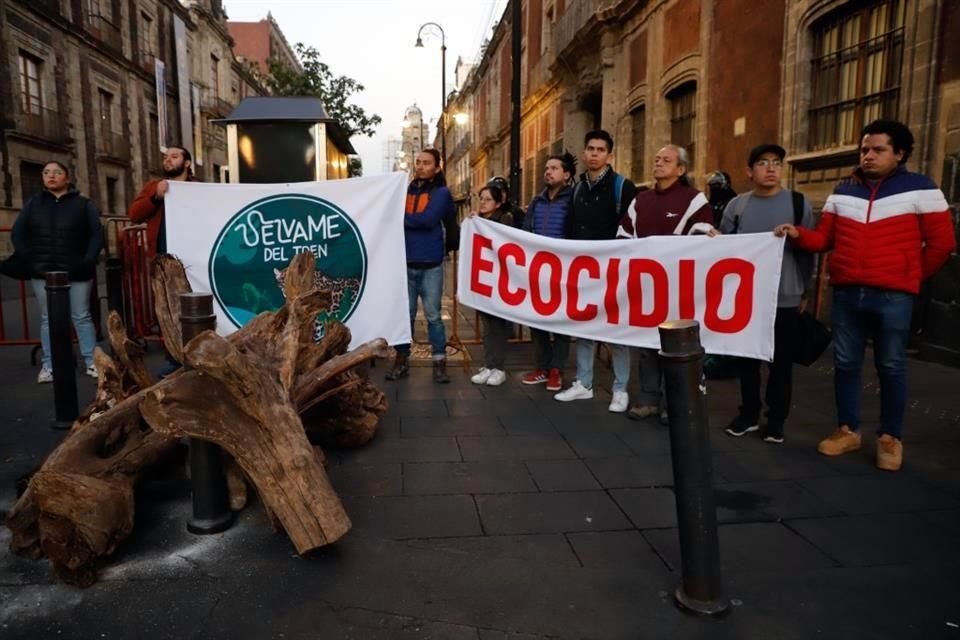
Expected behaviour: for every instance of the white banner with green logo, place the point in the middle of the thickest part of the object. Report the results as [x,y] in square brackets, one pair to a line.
[236,241]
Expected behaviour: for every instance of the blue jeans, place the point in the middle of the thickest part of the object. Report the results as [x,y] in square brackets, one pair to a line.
[79,313]
[427,285]
[884,317]
[620,354]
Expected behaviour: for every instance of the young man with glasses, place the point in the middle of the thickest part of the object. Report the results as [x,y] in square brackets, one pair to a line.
[761,210]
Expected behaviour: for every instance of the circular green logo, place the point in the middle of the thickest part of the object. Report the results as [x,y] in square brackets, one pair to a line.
[250,257]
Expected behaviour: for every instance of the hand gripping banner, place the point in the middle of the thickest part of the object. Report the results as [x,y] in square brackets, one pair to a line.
[620,291]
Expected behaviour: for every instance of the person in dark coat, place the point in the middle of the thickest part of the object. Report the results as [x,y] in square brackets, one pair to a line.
[59,230]
[547,216]
[719,193]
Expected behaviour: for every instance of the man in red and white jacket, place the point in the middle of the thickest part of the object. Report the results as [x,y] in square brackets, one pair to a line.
[889,229]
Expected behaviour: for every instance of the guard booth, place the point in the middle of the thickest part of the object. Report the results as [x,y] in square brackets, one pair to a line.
[285,139]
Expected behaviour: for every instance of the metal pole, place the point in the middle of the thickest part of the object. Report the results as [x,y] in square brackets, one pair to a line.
[208,484]
[515,38]
[443,101]
[66,408]
[682,357]
[114,269]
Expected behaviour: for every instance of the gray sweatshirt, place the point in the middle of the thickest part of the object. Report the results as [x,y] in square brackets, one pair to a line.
[760,215]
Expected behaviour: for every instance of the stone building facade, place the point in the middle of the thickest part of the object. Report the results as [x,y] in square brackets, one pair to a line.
[718,77]
[413,138]
[259,42]
[78,84]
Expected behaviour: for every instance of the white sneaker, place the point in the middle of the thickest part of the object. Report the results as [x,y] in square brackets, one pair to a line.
[45,375]
[497,378]
[92,372]
[620,402]
[481,377]
[576,392]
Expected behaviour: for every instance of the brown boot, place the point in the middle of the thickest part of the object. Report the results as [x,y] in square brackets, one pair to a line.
[889,453]
[401,367]
[440,371]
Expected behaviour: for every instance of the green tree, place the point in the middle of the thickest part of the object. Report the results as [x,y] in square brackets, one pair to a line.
[356,166]
[317,80]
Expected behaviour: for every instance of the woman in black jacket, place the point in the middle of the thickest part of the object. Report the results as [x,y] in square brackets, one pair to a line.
[493,206]
[59,230]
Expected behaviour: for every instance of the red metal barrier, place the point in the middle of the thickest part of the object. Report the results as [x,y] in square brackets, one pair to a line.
[136,253]
[14,336]
[19,334]
[113,228]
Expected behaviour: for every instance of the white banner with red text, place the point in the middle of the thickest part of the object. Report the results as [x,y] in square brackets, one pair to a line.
[620,291]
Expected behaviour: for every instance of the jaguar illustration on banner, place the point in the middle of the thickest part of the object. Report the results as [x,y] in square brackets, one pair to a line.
[250,257]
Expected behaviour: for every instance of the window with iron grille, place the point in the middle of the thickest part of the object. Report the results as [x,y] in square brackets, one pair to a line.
[855,71]
[529,180]
[31,96]
[214,76]
[683,116]
[537,171]
[639,118]
[110,204]
[31,179]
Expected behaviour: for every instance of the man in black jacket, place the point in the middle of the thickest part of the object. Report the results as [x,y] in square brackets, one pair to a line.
[599,201]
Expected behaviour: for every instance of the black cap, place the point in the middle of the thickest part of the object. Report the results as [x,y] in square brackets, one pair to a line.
[719,178]
[499,182]
[775,149]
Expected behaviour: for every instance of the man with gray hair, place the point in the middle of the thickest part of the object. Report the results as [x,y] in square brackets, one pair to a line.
[672,207]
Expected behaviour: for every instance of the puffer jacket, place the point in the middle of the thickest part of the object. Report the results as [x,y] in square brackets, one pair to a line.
[59,234]
[890,235]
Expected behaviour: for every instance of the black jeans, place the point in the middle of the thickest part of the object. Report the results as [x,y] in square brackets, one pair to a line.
[496,332]
[780,382]
[549,354]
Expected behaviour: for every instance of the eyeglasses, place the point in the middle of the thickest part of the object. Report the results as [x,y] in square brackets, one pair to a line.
[763,164]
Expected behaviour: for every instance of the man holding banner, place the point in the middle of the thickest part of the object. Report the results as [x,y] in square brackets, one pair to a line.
[547,216]
[428,203]
[147,207]
[674,208]
[599,200]
[890,229]
[761,210]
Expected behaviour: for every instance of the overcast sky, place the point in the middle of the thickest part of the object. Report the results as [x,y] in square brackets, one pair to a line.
[372,42]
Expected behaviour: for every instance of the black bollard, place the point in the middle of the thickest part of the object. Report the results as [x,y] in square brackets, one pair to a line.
[114,270]
[66,408]
[682,357]
[208,484]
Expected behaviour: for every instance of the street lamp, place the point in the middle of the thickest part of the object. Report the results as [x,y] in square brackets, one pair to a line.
[460,118]
[443,83]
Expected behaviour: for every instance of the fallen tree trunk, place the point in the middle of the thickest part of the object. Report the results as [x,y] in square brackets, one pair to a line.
[245,393]
[262,432]
[79,505]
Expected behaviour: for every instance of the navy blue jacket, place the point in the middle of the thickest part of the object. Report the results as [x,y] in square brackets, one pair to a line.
[546,217]
[427,205]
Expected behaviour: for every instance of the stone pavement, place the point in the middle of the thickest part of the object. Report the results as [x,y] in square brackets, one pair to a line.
[493,513]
